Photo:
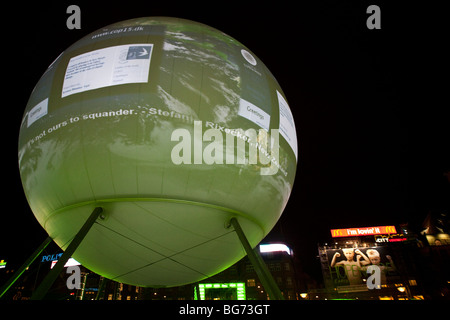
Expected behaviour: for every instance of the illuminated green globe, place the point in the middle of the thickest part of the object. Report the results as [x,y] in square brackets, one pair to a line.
[173,128]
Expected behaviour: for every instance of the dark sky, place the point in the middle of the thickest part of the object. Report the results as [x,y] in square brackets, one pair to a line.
[372,136]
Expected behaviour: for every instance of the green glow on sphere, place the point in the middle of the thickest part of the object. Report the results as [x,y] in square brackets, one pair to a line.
[100,129]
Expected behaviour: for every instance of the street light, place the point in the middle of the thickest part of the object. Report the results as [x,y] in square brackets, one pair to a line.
[401,289]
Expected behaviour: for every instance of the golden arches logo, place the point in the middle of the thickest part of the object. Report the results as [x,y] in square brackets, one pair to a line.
[390,229]
[336,233]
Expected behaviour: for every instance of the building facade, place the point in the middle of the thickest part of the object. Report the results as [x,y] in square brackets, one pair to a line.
[396,265]
[278,257]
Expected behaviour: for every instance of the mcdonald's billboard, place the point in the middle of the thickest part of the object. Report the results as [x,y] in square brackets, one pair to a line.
[357,232]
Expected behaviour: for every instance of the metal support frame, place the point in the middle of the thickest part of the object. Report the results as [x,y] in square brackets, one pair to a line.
[24,266]
[41,291]
[101,288]
[258,263]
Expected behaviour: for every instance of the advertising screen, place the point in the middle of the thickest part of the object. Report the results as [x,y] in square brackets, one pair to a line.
[348,266]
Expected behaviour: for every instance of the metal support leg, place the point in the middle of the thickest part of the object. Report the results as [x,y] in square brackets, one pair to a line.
[101,288]
[41,291]
[260,267]
[26,264]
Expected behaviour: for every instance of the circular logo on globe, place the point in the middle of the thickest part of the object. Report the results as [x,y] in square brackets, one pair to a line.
[248,56]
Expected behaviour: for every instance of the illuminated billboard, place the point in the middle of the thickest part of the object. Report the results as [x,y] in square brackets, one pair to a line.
[358,232]
[348,266]
[221,291]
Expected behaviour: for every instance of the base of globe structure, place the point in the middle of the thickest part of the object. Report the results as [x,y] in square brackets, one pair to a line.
[155,242]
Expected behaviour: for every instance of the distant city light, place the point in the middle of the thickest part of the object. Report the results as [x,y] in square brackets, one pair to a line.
[401,289]
[275,247]
[71,262]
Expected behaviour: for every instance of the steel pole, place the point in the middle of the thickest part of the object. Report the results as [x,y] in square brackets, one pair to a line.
[260,267]
[101,288]
[24,266]
[41,291]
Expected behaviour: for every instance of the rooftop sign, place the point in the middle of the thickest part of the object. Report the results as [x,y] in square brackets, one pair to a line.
[357,232]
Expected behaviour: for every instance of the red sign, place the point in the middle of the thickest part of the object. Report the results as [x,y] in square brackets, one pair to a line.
[358,232]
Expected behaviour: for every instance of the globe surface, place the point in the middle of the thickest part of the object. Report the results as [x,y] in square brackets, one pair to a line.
[173,128]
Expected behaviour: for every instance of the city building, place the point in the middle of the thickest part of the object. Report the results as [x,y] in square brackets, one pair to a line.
[236,282]
[281,263]
[370,263]
[409,265]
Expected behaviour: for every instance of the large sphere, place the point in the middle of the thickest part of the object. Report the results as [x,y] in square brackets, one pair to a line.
[163,123]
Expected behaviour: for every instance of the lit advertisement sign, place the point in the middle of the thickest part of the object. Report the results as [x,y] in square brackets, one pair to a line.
[51,257]
[2,264]
[222,291]
[390,238]
[358,232]
[348,266]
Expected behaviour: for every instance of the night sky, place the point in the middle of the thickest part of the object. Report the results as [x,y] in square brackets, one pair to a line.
[372,135]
